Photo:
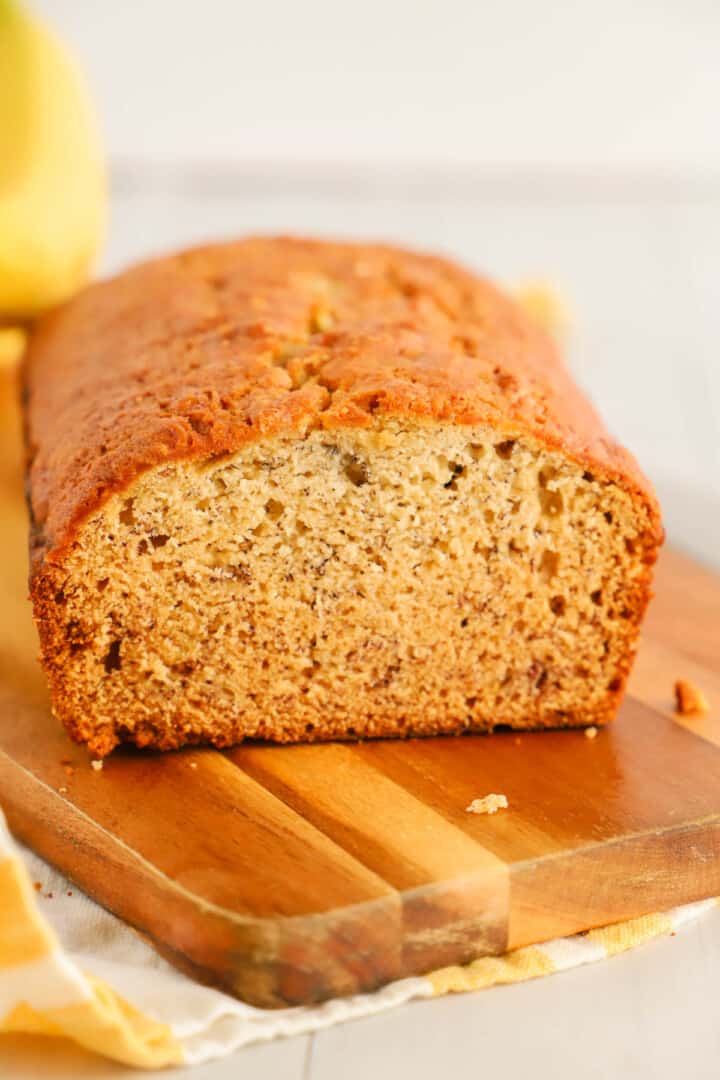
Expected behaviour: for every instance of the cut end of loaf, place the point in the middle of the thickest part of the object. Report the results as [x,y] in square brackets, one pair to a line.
[403,580]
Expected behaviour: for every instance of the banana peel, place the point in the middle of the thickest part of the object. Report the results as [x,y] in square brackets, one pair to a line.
[52,177]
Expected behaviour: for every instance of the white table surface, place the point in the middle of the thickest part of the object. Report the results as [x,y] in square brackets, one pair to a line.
[641,271]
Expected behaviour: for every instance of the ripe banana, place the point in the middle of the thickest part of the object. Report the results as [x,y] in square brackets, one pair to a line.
[52,179]
[12,346]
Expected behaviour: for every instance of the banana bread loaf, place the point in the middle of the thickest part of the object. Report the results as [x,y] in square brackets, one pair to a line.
[297,490]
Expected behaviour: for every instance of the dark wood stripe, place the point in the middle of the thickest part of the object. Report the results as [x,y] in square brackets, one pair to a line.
[564,790]
[209,828]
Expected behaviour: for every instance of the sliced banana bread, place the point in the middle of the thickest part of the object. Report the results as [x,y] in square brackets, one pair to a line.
[298,490]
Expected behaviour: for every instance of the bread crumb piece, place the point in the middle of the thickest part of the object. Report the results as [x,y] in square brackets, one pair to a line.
[489,804]
[543,303]
[62,790]
[37,886]
[193,764]
[69,892]
[97,764]
[689,699]
[591,732]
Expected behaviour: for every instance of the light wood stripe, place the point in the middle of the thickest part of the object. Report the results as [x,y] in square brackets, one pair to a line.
[455,893]
[404,840]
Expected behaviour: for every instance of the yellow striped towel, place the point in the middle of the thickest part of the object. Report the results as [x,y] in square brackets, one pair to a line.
[69,968]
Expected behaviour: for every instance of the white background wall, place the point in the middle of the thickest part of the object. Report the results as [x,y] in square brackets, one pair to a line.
[516,82]
[575,141]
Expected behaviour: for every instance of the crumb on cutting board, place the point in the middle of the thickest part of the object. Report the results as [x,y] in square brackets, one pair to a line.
[689,699]
[97,764]
[591,732]
[489,804]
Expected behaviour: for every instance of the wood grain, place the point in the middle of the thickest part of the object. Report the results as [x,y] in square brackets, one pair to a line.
[295,874]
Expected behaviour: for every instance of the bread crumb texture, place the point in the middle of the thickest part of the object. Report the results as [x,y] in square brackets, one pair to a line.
[591,732]
[293,491]
[689,699]
[489,804]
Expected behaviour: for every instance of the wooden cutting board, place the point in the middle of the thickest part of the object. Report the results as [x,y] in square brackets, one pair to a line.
[293,874]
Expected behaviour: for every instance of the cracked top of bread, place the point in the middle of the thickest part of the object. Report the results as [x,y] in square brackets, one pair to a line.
[196,354]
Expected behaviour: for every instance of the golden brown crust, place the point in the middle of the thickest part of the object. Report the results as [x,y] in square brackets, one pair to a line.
[199,353]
